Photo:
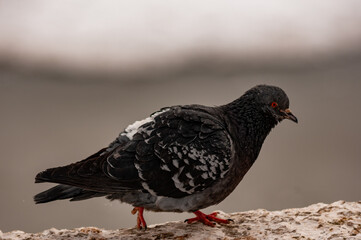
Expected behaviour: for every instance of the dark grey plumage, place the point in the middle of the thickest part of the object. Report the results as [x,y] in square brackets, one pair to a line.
[182,158]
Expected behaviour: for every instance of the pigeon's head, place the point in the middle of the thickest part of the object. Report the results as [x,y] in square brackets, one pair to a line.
[273,100]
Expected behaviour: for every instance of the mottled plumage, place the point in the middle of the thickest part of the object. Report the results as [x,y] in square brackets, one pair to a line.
[181,158]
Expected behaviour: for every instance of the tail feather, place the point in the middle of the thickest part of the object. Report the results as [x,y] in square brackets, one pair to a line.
[61,191]
[85,175]
[91,164]
[53,174]
[87,194]
[81,180]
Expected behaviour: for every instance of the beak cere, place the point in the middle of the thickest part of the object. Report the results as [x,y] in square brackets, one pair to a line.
[289,115]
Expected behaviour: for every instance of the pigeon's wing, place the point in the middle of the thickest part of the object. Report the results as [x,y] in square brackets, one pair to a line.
[179,152]
[175,152]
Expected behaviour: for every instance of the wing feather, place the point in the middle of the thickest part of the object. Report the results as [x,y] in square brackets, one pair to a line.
[176,152]
[180,152]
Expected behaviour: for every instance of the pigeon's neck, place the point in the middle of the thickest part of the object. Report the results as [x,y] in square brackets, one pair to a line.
[249,125]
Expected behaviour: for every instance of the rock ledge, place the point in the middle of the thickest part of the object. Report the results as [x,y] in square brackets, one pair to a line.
[339,220]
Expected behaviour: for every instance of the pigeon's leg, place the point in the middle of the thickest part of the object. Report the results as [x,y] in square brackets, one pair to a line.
[207,219]
[140,219]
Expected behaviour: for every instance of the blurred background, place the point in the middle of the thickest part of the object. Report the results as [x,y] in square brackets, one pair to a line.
[74,74]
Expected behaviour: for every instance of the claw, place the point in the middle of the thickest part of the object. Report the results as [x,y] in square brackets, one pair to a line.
[207,219]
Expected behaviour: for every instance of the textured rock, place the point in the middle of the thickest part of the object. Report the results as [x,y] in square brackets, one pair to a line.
[339,220]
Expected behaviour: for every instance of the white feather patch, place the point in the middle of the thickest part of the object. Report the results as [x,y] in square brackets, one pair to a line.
[175,163]
[179,185]
[165,167]
[134,128]
[146,187]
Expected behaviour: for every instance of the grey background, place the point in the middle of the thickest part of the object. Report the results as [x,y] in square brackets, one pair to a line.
[59,104]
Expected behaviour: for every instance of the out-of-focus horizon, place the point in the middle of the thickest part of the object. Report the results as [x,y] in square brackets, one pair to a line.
[125,37]
[74,74]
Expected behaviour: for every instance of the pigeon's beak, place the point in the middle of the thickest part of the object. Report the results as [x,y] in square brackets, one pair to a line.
[289,115]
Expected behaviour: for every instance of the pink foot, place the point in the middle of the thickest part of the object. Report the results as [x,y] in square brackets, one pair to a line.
[140,219]
[207,219]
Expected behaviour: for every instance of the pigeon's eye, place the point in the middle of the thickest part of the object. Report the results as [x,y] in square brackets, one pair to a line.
[274,104]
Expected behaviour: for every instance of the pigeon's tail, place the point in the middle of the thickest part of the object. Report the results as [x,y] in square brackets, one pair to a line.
[89,166]
[61,191]
[64,190]
[52,175]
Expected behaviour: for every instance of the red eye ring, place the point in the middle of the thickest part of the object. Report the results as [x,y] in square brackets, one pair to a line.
[274,104]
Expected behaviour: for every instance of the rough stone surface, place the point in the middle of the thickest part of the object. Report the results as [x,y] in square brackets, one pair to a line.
[339,220]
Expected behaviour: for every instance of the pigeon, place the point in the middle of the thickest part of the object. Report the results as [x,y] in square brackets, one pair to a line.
[179,159]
